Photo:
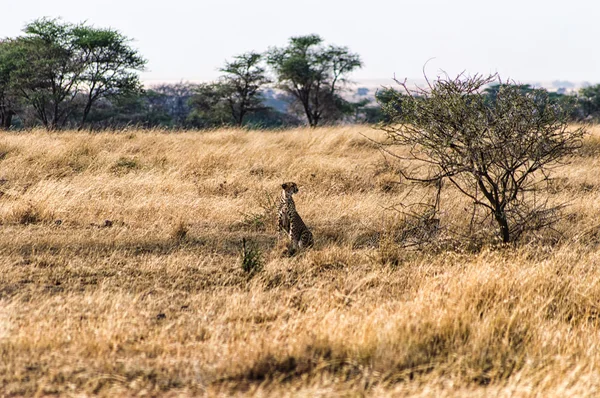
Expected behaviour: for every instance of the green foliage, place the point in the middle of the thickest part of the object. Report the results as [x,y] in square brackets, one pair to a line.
[126,110]
[61,74]
[8,99]
[567,102]
[251,259]
[589,98]
[164,106]
[389,99]
[172,101]
[365,111]
[491,92]
[496,152]
[243,79]
[45,77]
[209,107]
[268,118]
[314,75]
[180,105]
[109,64]
[60,69]
[235,98]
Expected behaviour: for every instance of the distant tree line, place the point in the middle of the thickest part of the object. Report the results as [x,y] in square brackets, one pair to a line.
[581,106]
[63,75]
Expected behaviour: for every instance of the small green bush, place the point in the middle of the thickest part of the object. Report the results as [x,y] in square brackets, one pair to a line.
[251,259]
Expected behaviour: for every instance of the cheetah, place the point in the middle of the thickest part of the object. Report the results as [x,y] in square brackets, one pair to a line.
[289,219]
[289,188]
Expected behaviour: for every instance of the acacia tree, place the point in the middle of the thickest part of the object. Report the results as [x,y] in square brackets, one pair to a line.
[109,65]
[47,71]
[56,64]
[313,74]
[243,79]
[497,153]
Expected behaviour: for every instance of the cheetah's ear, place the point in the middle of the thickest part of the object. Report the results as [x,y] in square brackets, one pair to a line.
[284,185]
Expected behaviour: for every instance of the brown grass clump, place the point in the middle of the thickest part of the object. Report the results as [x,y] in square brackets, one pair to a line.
[122,273]
[180,231]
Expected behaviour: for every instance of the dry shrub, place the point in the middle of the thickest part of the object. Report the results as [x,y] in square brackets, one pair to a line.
[413,347]
[336,233]
[26,213]
[389,184]
[274,368]
[125,165]
[180,231]
[208,165]
[591,144]
[365,240]
[416,228]
[264,219]
[390,252]
[73,159]
[332,259]
[5,150]
[362,143]
[459,136]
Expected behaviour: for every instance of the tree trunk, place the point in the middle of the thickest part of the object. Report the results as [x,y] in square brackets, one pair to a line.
[500,217]
[86,112]
[309,115]
[240,121]
[311,123]
[6,116]
[7,120]
[316,119]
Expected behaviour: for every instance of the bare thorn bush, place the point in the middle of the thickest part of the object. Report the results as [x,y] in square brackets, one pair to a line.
[497,151]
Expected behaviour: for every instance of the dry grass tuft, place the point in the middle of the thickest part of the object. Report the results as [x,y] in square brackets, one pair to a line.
[26,213]
[180,231]
[123,272]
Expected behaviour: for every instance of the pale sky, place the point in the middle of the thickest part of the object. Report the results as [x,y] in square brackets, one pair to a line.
[525,40]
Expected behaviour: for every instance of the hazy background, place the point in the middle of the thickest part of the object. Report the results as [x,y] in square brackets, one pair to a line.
[529,41]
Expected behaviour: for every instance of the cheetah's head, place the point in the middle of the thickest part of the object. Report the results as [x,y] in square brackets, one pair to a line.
[290,187]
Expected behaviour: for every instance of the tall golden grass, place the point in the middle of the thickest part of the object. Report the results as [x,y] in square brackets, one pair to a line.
[120,274]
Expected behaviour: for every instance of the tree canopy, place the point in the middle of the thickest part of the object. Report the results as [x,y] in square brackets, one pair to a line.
[314,74]
[242,81]
[59,68]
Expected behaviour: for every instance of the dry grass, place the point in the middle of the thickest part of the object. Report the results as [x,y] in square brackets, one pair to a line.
[120,274]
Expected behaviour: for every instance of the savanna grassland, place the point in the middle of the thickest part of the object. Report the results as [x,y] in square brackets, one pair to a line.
[120,273]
